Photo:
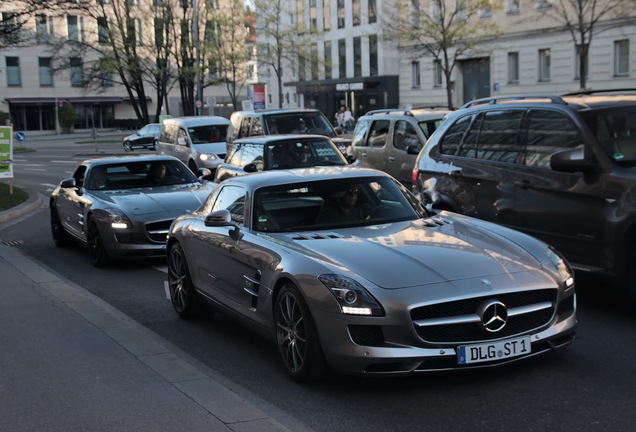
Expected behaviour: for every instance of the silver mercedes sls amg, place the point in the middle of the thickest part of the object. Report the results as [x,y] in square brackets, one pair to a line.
[346,271]
[122,207]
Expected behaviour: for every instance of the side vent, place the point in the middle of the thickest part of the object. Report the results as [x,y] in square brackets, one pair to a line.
[436,222]
[315,236]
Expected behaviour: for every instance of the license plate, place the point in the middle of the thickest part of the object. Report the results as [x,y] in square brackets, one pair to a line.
[493,351]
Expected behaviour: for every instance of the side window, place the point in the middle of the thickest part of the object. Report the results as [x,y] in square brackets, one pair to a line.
[245,127]
[79,174]
[234,158]
[253,153]
[454,137]
[232,198]
[499,136]
[184,135]
[405,135]
[429,126]
[549,132]
[379,133]
[166,134]
[360,132]
[257,127]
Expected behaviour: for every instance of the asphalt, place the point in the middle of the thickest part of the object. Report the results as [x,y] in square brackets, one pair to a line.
[71,362]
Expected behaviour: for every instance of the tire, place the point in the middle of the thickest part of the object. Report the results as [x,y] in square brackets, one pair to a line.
[184,298]
[296,337]
[127,146]
[60,237]
[193,167]
[96,250]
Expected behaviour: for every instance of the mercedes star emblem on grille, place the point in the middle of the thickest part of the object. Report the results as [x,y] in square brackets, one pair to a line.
[493,314]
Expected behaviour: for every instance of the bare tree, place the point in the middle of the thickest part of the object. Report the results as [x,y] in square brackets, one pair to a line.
[581,17]
[446,31]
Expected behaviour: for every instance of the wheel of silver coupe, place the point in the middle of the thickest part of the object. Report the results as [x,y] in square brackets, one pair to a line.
[96,250]
[184,299]
[60,237]
[296,336]
[127,146]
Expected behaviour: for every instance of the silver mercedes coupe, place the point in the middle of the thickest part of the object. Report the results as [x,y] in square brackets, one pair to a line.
[122,207]
[346,271]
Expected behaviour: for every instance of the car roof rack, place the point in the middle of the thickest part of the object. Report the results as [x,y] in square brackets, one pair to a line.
[408,112]
[591,92]
[494,100]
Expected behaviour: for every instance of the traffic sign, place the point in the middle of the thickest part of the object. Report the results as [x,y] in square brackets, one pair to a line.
[211,100]
[198,104]
[20,136]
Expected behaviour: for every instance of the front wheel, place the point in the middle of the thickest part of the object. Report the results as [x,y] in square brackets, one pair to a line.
[182,294]
[296,336]
[127,146]
[96,249]
[60,237]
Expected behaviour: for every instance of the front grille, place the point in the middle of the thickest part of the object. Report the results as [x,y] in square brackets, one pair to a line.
[158,231]
[473,331]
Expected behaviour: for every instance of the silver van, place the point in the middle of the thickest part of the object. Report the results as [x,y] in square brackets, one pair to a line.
[200,142]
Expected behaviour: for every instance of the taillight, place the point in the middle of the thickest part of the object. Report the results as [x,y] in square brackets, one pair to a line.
[414,174]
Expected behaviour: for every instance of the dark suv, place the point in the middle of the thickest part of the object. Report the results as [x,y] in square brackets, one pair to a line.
[561,168]
[285,121]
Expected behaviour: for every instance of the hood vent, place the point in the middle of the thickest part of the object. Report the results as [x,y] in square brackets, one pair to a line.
[436,222]
[315,236]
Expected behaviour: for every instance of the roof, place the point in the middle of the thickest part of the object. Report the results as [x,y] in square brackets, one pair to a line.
[266,139]
[198,120]
[111,160]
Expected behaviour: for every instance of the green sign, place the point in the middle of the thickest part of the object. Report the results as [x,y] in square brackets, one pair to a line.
[6,152]
[164,117]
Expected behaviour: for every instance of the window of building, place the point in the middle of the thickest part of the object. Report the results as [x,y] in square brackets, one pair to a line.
[373,55]
[357,56]
[45,71]
[342,58]
[438,73]
[327,60]
[341,13]
[621,57]
[161,35]
[415,74]
[373,13]
[544,64]
[543,4]
[73,28]
[436,13]
[102,30]
[77,72]
[314,61]
[326,15]
[42,28]
[577,65]
[13,72]
[513,6]
[355,12]
[300,13]
[513,67]
[301,67]
[133,28]
[186,26]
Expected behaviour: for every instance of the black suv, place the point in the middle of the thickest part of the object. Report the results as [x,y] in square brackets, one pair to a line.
[285,121]
[561,168]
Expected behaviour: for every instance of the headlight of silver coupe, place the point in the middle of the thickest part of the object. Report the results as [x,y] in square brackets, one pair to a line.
[562,267]
[352,297]
[118,219]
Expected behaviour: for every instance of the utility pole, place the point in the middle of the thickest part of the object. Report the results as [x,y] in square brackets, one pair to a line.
[197,59]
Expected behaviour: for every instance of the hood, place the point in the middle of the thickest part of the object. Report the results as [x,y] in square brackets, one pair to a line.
[172,201]
[406,254]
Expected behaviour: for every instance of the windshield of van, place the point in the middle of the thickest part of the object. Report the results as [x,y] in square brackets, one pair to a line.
[208,134]
[299,123]
[615,129]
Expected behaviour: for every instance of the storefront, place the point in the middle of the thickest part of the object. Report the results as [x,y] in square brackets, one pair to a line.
[360,94]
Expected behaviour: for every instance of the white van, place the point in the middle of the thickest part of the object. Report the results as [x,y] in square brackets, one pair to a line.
[200,142]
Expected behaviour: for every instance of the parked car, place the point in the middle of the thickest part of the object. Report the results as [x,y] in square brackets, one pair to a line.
[384,288]
[561,168]
[261,153]
[285,121]
[144,138]
[122,207]
[199,142]
[390,139]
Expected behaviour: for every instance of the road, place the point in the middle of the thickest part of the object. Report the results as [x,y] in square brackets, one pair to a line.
[590,386]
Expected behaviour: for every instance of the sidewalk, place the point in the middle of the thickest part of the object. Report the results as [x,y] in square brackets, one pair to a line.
[70,361]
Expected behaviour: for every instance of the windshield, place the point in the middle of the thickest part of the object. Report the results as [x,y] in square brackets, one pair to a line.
[133,175]
[331,204]
[208,134]
[299,122]
[302,153]
[615,129]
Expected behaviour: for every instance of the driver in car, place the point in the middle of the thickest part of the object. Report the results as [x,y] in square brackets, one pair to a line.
[343,206]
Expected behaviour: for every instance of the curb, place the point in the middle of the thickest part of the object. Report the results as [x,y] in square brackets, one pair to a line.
[34,202]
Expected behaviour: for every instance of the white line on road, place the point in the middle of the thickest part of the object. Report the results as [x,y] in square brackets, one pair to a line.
[65,161]
[35,169]
[49,185]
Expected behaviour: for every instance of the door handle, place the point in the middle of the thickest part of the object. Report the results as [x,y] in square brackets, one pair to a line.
[363,154]
[391,159]
[455,173]
[524,184]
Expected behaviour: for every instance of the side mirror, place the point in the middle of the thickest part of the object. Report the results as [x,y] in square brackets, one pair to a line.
[205,173]
[572,160]
[250,168]
[413,149]
[68,183]
[222,218]
[350,158]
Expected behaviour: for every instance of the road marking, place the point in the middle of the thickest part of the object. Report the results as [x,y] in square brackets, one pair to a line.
[35,169]
[49,185]
[65,161]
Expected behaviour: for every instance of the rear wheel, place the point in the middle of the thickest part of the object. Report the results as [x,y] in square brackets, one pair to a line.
[127,146]
[95,242]
[60,237]
[296,336]
[182,294]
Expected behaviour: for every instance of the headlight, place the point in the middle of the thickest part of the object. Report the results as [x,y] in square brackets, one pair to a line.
[562,267]
[207,156]
[118,219]
[352,297]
